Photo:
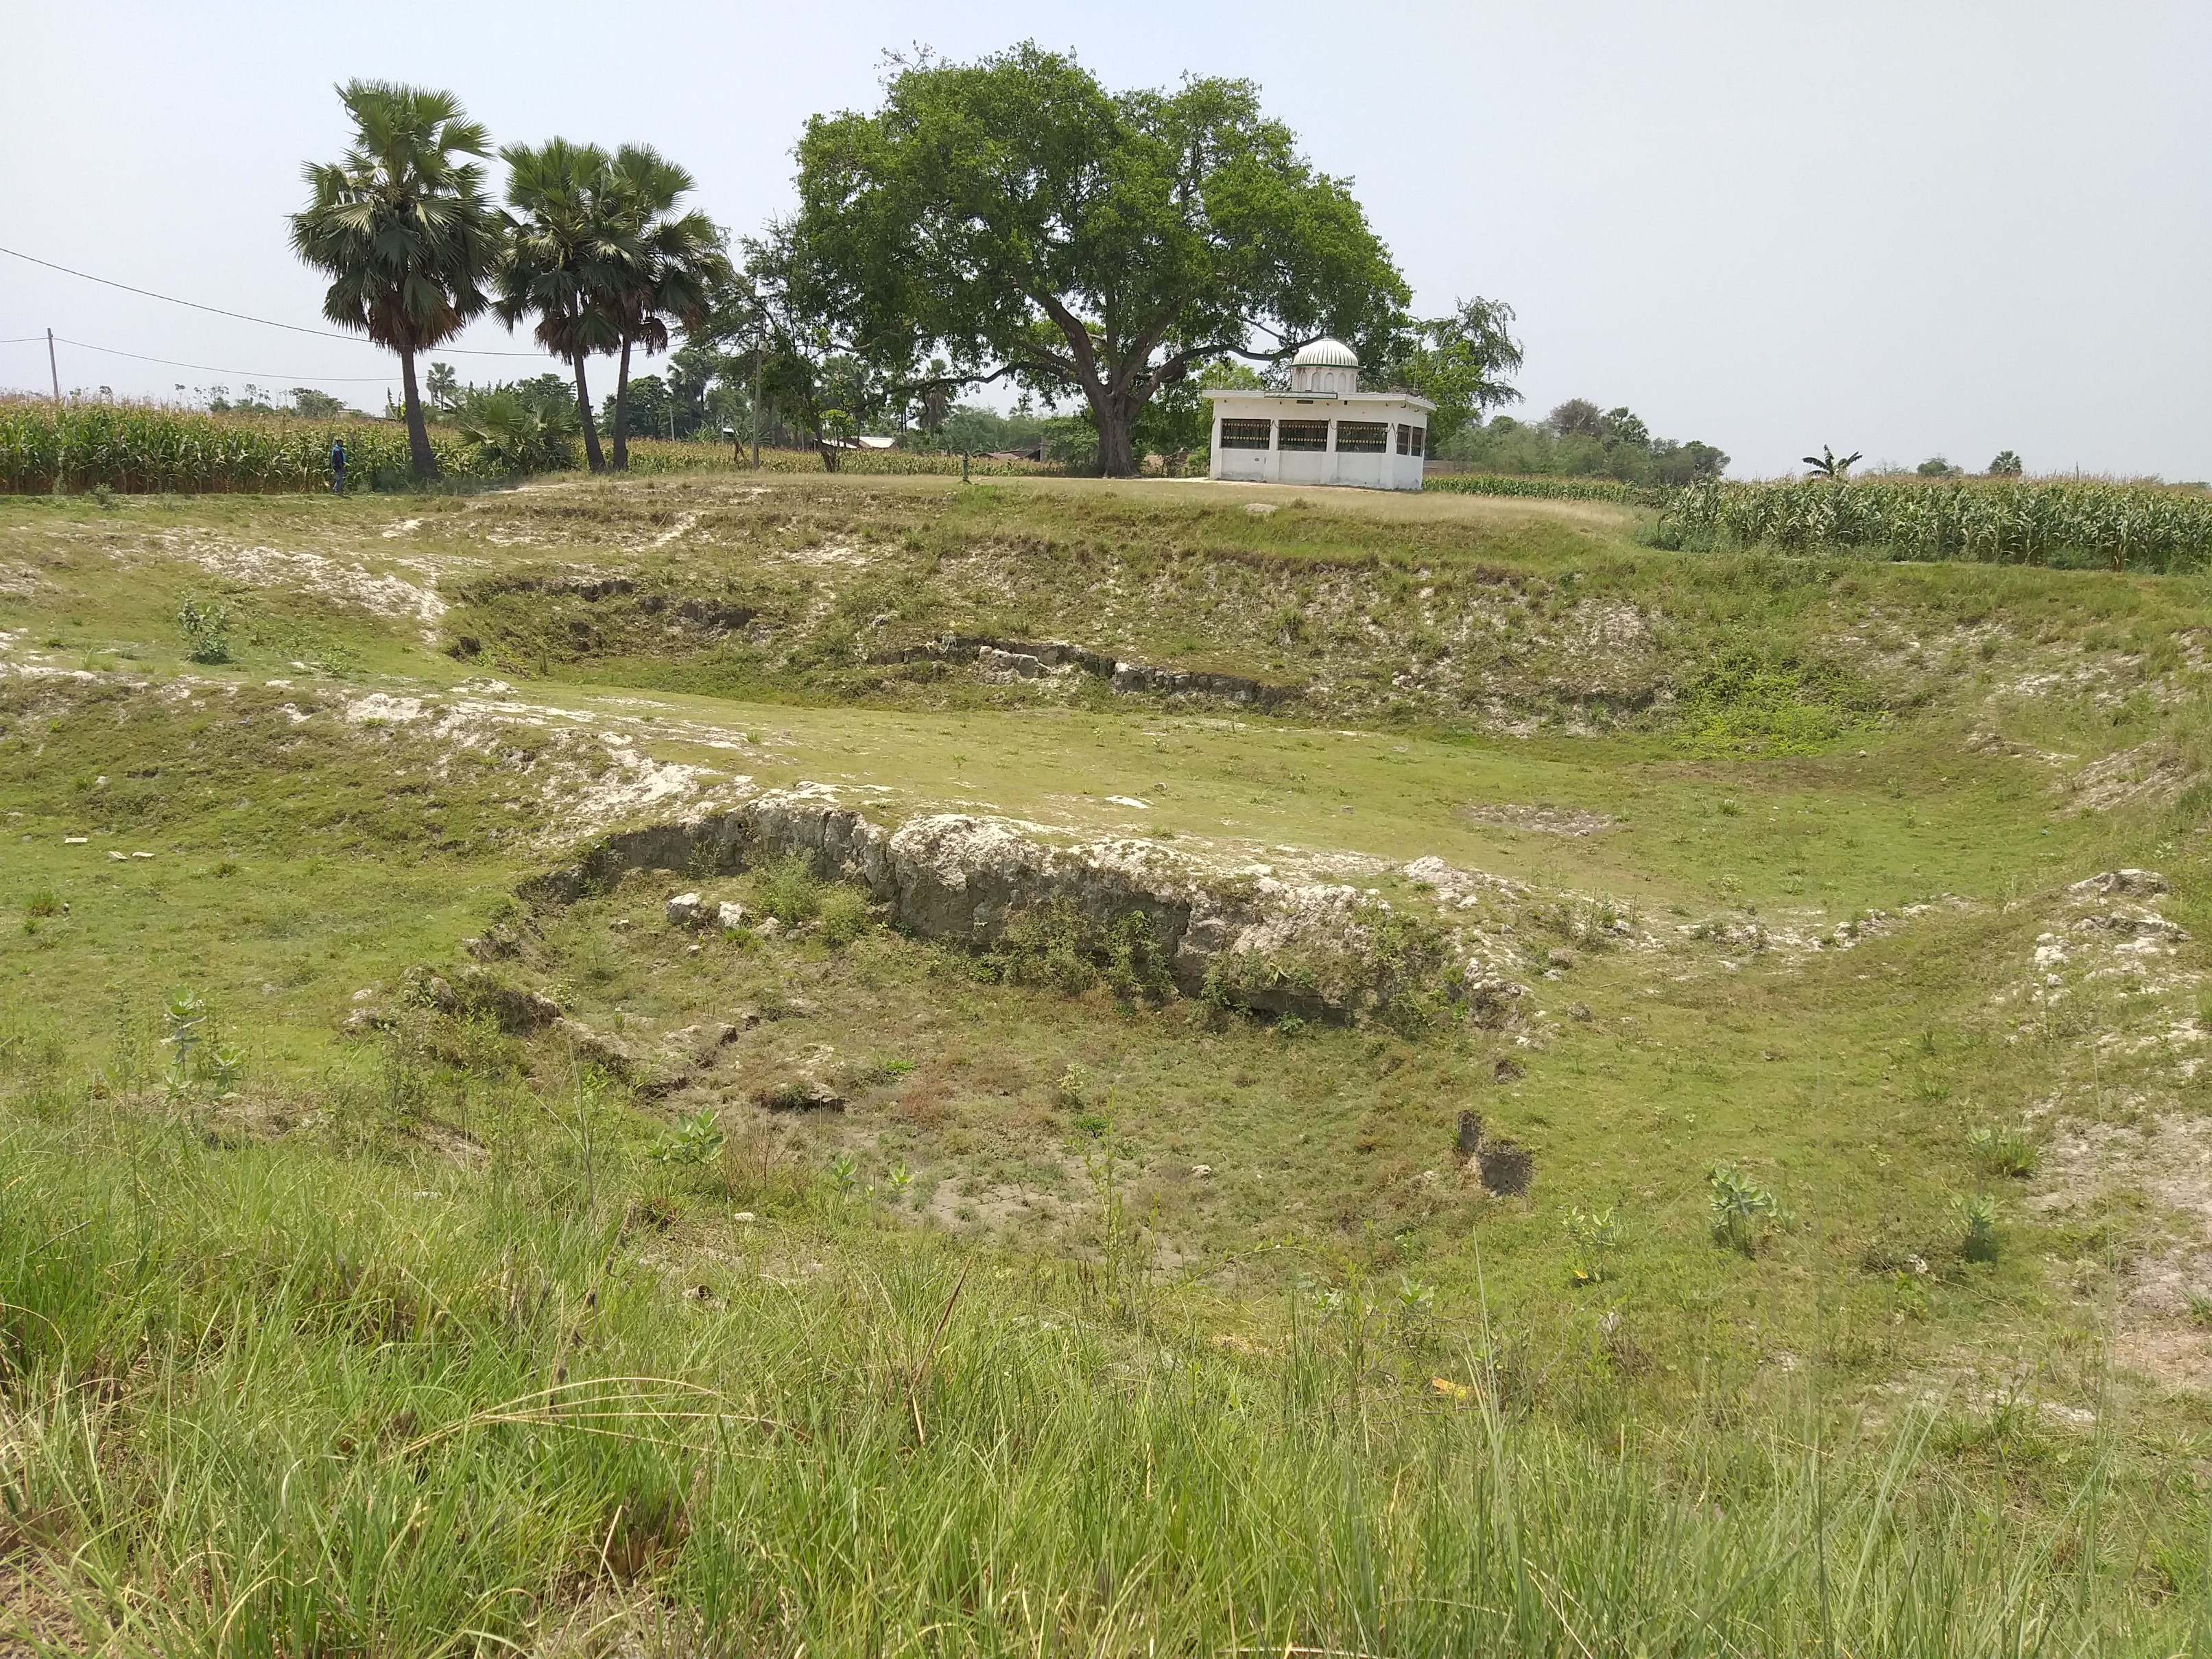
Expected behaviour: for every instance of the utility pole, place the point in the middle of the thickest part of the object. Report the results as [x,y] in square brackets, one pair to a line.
[52,368]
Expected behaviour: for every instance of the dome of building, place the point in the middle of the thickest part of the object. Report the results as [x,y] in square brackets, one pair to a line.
[1326,354]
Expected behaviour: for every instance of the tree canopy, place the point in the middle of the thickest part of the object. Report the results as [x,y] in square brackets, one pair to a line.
[1018,218]
[1458,364]
[1578,439]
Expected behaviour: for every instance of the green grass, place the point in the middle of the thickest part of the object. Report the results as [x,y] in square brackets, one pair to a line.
[1094,1318]
[337,1402]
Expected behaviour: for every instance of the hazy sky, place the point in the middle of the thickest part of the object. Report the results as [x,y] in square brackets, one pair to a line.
[1904,228]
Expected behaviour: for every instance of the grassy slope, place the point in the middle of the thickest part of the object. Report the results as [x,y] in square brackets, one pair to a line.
[1889,735]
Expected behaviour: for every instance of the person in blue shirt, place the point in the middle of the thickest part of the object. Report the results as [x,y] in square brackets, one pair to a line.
[338,466]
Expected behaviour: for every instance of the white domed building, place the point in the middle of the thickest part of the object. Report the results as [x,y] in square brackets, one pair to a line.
[1324,430]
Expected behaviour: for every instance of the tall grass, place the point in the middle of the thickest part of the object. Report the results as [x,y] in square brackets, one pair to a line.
[262,1399]
[2045,521]
[134,449]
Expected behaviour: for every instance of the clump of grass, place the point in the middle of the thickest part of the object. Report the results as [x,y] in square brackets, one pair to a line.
[2006,1151]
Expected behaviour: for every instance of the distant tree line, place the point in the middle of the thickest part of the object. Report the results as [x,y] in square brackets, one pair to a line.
[1578,439]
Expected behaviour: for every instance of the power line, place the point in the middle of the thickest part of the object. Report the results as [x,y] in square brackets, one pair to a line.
[295,328]
[210,369]
[27,339]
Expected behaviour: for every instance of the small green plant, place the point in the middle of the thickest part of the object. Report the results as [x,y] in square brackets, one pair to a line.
[227,1066]
[1074,1088]
[42,903]
[1742,1209]
[1594,1235]
[103,497]
[1977,1215]
[2200,1310]
[2006,1151]
[899,1180]
[1415,1296]
[207,630]
[695,1139]
[184,1014]
[844,1173]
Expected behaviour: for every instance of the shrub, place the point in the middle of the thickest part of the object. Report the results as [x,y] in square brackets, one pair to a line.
[1057,945]
[206,629]
[789,892]
[844,915]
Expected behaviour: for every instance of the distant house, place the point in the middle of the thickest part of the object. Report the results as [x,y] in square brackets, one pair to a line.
[868,440]
[1324,430]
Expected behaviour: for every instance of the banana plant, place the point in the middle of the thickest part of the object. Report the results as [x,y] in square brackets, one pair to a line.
[1830,465]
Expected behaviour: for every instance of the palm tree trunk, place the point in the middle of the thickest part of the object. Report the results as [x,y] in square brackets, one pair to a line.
[423,462]
[621,411]
[591,456]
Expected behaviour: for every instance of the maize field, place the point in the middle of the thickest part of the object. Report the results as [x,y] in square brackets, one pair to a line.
[1555,489]
[2111,525]
[136,450]
[660,455]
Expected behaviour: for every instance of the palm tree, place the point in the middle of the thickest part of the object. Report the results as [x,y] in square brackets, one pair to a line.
[402,226]
[679,266]
[569,255]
